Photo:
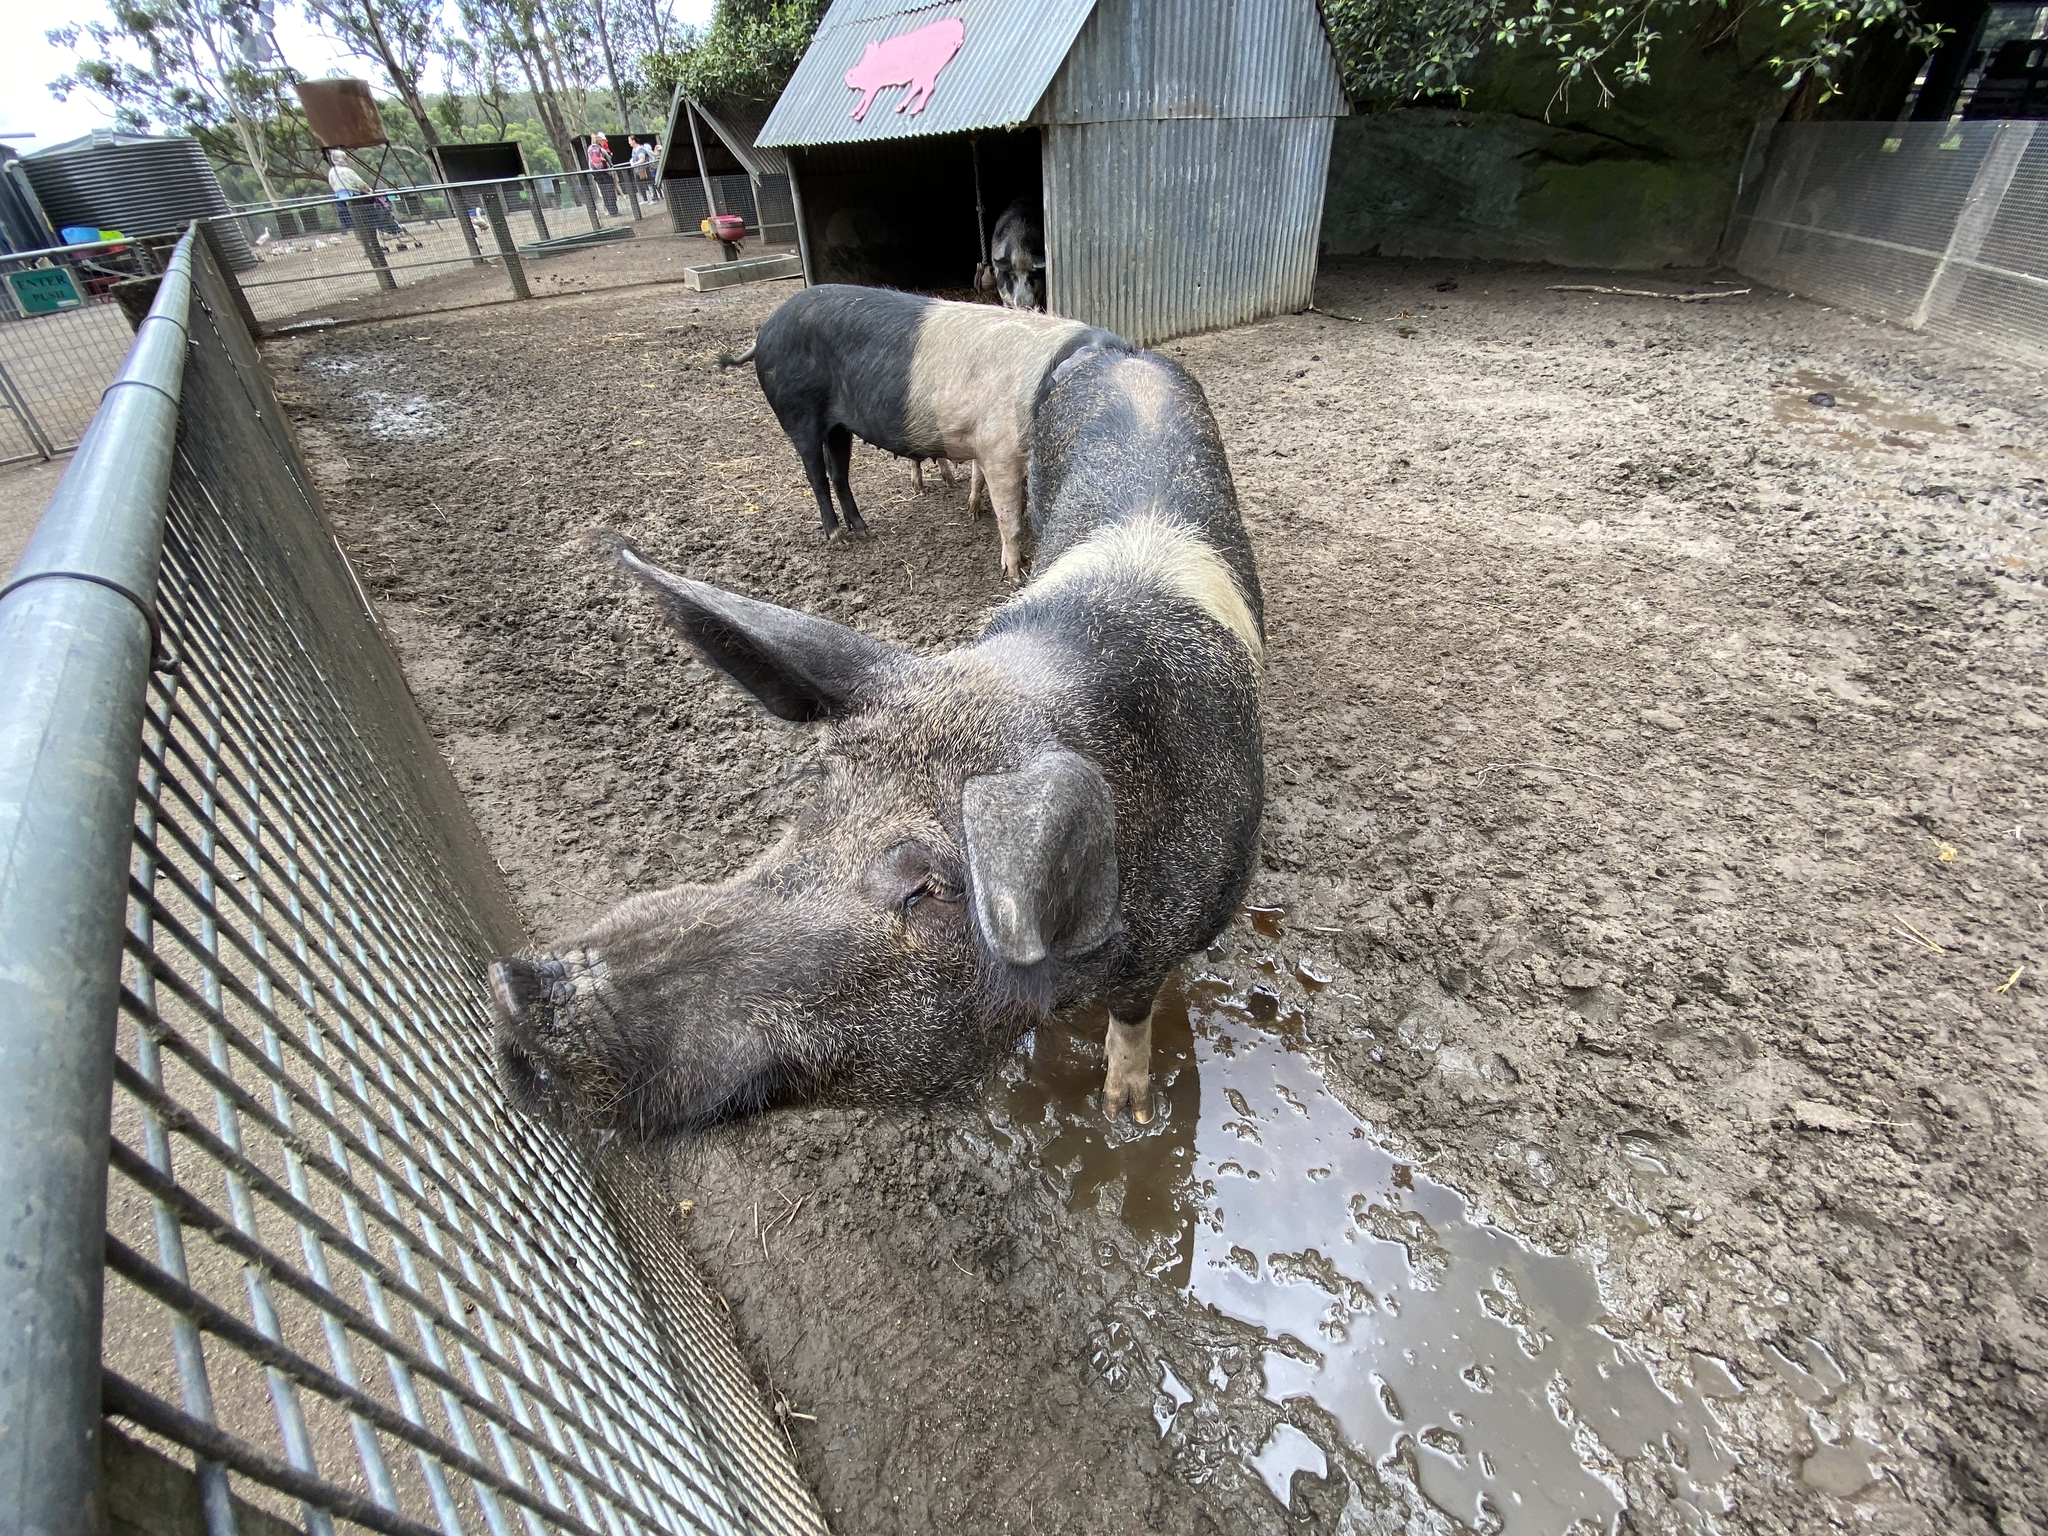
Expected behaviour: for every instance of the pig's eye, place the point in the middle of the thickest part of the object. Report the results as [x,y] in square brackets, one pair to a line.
[932,889]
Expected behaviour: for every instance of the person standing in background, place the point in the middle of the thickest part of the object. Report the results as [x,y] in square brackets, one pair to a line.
[599,158]
[646,187]
[347,184]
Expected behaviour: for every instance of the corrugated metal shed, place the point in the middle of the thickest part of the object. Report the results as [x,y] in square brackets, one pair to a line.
[1164,228]
[1010,54]
[1180,148]
[1197,58]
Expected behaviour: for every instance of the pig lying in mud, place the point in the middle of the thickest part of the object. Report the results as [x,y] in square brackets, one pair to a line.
[922,378]
[1060,811]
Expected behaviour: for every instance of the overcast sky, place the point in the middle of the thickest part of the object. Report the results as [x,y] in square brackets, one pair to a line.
[28,64]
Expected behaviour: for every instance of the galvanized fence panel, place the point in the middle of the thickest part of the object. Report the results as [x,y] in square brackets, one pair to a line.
[317,255]
[1935,226]
[345,1280]
[62,338]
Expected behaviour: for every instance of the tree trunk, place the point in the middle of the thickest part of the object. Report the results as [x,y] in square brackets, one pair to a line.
[252,142]
[611,62]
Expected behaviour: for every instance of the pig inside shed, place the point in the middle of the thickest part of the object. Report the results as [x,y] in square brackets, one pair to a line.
[1060,811]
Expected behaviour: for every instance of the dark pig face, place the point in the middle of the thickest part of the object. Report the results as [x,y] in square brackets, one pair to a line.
[954,872]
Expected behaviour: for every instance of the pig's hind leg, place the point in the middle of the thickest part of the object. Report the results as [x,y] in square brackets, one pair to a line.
[810,448]
[839,461]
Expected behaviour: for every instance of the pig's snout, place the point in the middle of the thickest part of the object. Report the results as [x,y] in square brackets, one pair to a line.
[528,991]
[537,1022]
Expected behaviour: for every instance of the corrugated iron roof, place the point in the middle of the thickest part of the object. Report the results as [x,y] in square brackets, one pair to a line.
[1198,59]
[1010,52]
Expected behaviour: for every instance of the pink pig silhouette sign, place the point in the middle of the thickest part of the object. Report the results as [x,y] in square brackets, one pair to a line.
[911,58]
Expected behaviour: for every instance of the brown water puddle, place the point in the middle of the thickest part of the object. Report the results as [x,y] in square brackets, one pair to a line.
[1429,1338]
[1859,418]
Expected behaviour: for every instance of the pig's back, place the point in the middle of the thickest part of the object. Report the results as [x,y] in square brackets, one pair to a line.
[1125,451]
[975,371]
[1146,617]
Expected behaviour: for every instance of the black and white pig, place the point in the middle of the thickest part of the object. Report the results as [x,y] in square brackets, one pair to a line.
[923,378]
[1062,810]
[1017,252]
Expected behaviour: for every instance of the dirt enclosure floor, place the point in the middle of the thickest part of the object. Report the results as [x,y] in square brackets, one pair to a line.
[1623,1105]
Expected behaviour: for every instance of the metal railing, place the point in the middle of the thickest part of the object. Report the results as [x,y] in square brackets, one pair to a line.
[269,1209]
[1941,227]
[321,251]
[312,257]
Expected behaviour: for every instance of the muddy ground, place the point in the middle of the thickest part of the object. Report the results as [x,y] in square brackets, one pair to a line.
[1654,834]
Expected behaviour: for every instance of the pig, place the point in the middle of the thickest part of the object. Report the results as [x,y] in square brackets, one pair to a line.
[1017,252]
[1058,812]
[921,378]
[911,58]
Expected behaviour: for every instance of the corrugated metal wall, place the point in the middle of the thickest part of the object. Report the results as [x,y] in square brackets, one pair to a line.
[1197,58]
[1160,228]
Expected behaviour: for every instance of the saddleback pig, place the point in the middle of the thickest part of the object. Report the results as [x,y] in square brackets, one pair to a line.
[1017,252]
[1061,810]
[923,378]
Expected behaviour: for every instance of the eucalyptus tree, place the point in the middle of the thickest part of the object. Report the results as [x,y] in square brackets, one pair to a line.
[204,67]
[400,35]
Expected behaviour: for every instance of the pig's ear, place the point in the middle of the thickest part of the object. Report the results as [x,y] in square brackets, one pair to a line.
[1041,856]
[800,667]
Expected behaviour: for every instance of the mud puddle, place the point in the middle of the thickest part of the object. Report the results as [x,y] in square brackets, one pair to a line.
[1433,1342]
[1858,417]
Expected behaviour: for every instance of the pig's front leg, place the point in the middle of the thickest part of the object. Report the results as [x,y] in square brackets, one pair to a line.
[1129,1080]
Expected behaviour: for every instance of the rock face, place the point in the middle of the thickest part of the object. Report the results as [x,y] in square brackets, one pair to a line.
[1522,173]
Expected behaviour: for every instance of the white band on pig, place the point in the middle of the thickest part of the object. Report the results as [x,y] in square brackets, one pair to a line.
[1171,555]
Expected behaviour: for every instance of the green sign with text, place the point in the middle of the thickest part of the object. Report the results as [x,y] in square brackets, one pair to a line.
[44,290]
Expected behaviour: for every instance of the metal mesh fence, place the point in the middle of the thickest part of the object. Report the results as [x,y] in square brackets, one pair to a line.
[1935,226]
[61,339]
[345,1280]
[319,251]
[62,336]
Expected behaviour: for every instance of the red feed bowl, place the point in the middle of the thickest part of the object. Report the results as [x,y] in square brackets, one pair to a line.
[724,226]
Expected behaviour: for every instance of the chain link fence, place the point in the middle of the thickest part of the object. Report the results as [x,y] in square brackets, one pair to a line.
[1939,227]
[318,253]
[346,1284]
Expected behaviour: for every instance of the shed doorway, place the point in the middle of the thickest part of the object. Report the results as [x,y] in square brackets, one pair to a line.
[901,214]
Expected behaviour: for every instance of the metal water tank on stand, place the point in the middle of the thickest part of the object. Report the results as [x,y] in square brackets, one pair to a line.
[137,184]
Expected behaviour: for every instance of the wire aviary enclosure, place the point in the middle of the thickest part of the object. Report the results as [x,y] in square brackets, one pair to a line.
[1939,227]
[245,1058]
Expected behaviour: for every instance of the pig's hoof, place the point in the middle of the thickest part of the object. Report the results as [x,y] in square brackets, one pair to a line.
[1138,1096]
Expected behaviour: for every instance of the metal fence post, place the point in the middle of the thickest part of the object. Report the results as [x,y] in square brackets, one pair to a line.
[17,403]
[362,215]
[1980,211]
[76,624]
[494,210]
[458,206]
[590,200]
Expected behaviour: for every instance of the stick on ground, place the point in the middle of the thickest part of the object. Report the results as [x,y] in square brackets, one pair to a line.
[1648,293]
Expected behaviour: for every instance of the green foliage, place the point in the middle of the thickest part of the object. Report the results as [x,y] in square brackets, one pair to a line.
[182,65]
[1404,50]
[751,48]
